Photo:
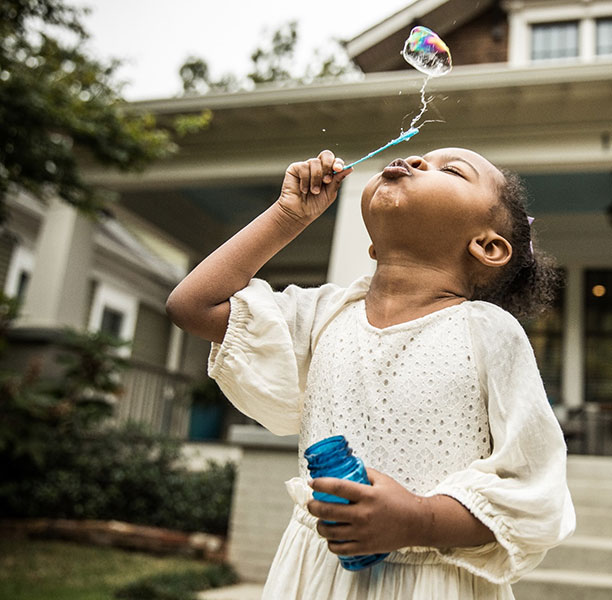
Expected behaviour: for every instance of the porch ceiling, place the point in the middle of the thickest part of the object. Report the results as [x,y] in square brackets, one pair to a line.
[535,120]
[200,218]
[532,118]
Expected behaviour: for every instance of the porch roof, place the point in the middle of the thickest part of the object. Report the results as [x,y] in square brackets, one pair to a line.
[537,120]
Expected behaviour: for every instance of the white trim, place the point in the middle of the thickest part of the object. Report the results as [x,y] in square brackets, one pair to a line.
[22,260]
[572,376]
[175,349]
[518,40]
[416,10]
[587,39]
[521,17]
[377,85]
[115,299]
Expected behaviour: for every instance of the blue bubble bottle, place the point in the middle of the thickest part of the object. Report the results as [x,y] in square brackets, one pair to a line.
[333,457]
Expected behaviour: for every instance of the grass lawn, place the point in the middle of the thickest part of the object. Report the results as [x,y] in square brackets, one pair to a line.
[50,570]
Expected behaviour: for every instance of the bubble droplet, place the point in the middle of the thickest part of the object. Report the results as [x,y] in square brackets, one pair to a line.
[323,130]
[427,52]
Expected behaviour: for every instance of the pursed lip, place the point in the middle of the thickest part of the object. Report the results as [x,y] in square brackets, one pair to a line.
[398,168]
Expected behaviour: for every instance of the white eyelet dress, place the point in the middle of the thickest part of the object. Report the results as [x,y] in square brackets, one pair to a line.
[451,403]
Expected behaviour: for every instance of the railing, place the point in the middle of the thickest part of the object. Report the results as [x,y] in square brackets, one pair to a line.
[156,398]
[589,430]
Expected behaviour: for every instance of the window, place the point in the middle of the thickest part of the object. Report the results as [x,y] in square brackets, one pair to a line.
[114,311]
[598,336]
[19,273]
[111,321]
[604,37]
[546,336]
[554,40]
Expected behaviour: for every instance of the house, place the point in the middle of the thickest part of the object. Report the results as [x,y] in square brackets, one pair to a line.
[530,90]
[71,272]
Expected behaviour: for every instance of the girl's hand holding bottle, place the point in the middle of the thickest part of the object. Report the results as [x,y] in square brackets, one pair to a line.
[381,517]
[385,516]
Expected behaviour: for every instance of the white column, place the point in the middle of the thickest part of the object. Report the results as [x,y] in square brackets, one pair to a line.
[58,291]
[519,40]
[175,348]
[349,257]
[586,39]
[572,376]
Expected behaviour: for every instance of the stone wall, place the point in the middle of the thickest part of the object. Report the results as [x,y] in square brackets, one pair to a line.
[261,507]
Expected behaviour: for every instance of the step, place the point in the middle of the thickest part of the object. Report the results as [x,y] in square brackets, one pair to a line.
[563,585]
[596,468]
[594,521]
[591,493]
[581,553]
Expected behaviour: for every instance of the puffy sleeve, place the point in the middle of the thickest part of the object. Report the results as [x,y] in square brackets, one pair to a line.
[520,491]
[262,363]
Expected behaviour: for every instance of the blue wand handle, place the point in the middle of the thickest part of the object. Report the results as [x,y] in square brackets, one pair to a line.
[405,136]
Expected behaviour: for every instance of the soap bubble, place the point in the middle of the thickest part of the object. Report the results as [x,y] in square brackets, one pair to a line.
[425,51]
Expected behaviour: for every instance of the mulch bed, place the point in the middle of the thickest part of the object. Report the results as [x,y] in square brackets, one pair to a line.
[118,534]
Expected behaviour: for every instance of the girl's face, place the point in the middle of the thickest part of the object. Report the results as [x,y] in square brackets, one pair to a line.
[444,196]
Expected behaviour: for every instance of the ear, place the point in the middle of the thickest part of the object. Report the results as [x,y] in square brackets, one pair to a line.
[491,249]
[372,252]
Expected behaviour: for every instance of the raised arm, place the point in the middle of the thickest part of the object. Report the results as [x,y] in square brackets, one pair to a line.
[200,303]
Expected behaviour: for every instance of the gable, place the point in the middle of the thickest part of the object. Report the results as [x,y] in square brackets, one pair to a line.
[476,32]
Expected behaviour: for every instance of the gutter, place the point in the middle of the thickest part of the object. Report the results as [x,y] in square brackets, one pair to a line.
[373,85]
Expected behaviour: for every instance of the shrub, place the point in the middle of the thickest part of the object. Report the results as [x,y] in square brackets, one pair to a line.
[124,475]
[62,460]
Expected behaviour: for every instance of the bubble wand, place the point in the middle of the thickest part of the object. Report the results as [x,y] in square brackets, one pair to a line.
[426,52]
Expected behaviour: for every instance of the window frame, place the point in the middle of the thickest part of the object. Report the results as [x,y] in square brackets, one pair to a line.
[108,296]
[22,261]
[522,17]
[599,22]
[534,27]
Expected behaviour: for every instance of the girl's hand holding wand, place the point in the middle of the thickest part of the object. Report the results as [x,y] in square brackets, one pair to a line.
[385,516]
[311,186]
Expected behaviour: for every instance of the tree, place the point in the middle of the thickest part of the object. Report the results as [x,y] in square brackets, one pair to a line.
[273,61]
[57,103]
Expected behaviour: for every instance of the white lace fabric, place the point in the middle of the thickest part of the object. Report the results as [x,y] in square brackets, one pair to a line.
[451,403]
[407,398]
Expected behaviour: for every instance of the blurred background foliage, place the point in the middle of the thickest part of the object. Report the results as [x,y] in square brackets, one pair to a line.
[64,458]
[59,105]
[274,61]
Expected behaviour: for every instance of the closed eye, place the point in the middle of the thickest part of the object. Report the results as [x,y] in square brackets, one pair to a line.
[453,170]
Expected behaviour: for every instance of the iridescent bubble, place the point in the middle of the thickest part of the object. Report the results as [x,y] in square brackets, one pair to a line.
[427,52]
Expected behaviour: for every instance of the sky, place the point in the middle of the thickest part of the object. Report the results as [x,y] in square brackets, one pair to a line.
[154,37]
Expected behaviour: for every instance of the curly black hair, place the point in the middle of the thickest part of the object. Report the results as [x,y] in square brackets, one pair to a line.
[529,283]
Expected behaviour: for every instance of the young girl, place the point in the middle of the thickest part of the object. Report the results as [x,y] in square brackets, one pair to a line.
[432,382]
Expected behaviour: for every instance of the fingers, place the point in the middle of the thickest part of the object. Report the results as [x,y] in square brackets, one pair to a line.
[374,476]
[346,548]
[302,172]
[316,172]
[330,164]
[331,512]
[349,490]
[342,538]
[335,532]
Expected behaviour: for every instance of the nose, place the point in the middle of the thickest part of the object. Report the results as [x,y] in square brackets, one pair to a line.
[417,162]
